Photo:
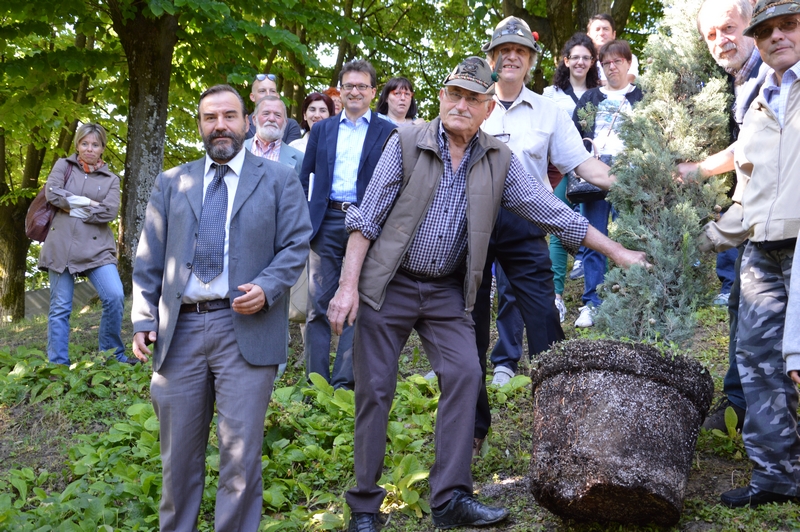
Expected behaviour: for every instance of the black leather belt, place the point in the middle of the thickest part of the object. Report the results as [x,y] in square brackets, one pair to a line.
[773,245]
[206,306]
[340,205]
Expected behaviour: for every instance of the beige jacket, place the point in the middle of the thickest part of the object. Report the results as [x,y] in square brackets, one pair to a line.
[74,244]
[767,162]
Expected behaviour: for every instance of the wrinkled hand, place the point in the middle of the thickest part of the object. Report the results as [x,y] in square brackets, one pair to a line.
[251,301]
[687,172]
[140,342]
[343,306]
[795,376]
[626,258]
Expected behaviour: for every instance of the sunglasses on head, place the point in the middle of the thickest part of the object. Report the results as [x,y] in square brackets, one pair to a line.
[262,77]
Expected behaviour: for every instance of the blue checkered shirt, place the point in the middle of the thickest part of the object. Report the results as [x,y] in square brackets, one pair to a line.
[440,244]
[777,95]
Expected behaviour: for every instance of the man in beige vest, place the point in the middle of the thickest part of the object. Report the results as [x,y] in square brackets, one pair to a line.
[415,256]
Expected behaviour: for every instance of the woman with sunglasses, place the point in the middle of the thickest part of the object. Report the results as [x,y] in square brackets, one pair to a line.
[574,75]
[397,103]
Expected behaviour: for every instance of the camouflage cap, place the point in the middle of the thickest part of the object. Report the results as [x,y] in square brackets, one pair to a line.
[473,74]
[513,30]
[768,9]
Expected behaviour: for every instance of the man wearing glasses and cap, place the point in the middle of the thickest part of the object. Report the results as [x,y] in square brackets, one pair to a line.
[415,257]
[537,131]
[767,161]
[266,85]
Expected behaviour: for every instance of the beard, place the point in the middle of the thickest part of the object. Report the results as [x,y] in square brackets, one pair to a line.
[270,132]
[736,62]
[223,152]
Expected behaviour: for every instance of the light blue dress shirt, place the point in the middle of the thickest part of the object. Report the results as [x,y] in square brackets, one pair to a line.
[349,145]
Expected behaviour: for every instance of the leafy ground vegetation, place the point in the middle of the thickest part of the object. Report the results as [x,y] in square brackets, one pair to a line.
[79,446]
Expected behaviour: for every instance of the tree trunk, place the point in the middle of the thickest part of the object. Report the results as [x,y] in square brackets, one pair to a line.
[343,47]
[149,44]
[13,242]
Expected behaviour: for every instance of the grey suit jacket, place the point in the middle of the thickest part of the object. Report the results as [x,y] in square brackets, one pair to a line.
[289,156]
[268,246]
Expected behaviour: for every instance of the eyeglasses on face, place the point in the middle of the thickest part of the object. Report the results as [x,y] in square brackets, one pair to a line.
[576,58]
[616,62]
[472,101]
[402,93]
[262,77]
[347,87]
[764,31]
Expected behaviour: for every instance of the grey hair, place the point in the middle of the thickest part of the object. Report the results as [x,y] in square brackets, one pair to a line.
[743,7]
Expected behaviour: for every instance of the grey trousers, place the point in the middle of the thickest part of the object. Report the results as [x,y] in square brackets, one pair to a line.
[435,308]
[770,421]
[204,366]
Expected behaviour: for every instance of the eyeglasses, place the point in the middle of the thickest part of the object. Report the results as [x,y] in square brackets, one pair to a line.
[472,101]
[402,94]
[616,62]
[262,77]
[584,58]
[347,87]
[503,137]
[765,31]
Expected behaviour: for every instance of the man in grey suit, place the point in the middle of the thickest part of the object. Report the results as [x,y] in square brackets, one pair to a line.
[271,120]
[224,239]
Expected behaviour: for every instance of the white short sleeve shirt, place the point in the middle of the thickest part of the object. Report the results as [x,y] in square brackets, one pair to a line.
[537,131]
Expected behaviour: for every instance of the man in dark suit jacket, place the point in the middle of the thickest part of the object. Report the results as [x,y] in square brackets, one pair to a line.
[217,310]
[339,161]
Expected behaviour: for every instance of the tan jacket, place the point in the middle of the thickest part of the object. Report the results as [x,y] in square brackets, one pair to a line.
[75,244]
[422,170]
[767,162]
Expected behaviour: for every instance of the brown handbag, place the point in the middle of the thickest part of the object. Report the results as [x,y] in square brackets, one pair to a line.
[41,212]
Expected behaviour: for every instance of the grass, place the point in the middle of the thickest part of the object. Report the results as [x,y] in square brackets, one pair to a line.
[90,430]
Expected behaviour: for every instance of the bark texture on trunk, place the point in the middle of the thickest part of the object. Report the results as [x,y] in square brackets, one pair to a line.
[149,44]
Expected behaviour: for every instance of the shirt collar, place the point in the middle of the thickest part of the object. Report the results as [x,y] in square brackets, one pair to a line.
[366,116]
[444,139]
[264,146]
[744,72]
[525,95]
[771,81]
[234,165]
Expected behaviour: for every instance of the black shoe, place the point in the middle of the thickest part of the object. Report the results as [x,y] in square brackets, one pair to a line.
[752,497]
[364,522]
[716,417]
[464,510]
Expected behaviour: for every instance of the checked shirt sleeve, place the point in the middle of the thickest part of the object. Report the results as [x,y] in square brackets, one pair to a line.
[525,196]
[369,216]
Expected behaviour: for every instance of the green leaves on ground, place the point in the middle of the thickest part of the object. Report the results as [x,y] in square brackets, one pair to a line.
[113,478]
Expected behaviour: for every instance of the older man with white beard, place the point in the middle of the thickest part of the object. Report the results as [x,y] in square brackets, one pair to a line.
[270,118]
[722,24]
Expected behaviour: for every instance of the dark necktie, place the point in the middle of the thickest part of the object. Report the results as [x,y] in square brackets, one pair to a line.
[208,255]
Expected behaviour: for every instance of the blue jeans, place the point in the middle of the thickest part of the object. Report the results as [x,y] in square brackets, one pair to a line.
[105,280]
[510,325]
[594,262]
[324,266]
[726,272]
